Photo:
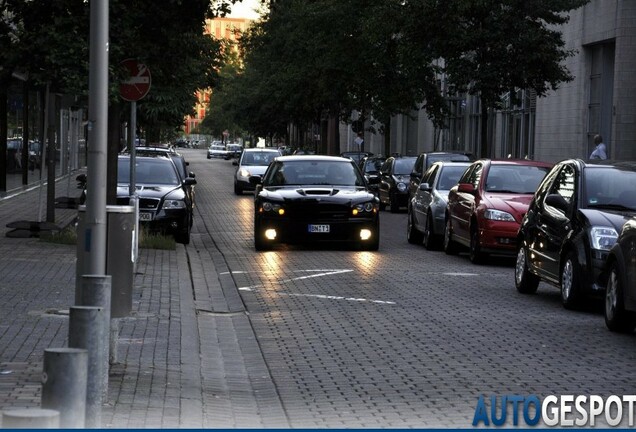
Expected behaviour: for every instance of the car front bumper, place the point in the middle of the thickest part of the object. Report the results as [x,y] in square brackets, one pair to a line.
[298,231]
[499,237]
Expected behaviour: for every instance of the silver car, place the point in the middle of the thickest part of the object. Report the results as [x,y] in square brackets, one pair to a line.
[426,209]
[253,162]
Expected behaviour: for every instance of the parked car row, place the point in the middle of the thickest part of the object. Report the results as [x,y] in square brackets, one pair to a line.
[224,151]
[572,225]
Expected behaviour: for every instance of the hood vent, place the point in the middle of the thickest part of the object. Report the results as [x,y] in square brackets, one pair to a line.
[311,192]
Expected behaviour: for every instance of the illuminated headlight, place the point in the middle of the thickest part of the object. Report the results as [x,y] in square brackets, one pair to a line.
[498,215]
[401,187]
[365,207]
[270,234]
[365,234]
[244,173]
[173,204]
[603,238]
[267,206]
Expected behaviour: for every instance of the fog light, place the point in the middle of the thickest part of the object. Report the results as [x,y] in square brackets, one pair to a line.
[270,234]
[365,234]
[354,212]
[281,211]
[505,240]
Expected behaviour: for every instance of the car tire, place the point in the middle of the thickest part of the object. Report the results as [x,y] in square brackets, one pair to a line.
[570,281]
[382,205]
[413,235]
[450,247]
[475,254]
[526,282]
[430,239]
[237,189]
[617,319]
[183,236]
[394,207]
[209,157]
[259,243]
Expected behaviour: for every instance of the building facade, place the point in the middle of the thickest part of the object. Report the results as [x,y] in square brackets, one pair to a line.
[601,99]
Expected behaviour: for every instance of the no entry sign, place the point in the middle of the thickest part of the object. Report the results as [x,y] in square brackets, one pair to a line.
[138,83]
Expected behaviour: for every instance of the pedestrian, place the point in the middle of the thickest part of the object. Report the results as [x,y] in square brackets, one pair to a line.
[600,152]
[359,142]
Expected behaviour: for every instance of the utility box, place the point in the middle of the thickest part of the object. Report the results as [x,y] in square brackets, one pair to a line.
[120,237]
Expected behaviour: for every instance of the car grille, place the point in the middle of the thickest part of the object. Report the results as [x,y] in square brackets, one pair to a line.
[144,203]
[317,211]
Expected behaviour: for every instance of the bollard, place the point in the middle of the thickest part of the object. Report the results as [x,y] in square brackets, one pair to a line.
[86,330]
[64,384]
[31,418]
[95,290]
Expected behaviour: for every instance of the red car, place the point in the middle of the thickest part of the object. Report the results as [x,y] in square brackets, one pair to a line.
[485,208]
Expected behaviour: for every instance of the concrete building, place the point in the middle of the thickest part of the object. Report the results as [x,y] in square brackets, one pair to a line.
[600,100]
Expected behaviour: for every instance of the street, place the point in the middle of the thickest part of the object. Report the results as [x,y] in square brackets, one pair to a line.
[403,337]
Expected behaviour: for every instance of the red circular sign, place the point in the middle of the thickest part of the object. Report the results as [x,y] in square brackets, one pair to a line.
[138,83]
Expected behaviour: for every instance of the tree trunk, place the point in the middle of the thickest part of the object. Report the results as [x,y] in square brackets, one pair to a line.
[3,136]
[485,145]
[387,137]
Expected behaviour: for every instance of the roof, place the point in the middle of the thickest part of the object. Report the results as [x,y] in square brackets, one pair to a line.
[316,158]
[261,149]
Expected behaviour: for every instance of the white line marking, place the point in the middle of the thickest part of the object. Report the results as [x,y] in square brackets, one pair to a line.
[461,274]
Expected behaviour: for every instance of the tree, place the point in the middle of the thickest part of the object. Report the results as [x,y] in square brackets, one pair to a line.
[491,47]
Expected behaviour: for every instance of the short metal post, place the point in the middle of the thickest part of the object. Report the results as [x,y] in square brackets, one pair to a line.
[64,384]
[86,330]
[31,418]
[96,291]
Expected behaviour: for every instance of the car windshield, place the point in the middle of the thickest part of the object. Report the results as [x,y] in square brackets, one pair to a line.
[518,179]
[608,187]
[404,166]
[259,158]
[372,166]
[450,176]
[148,171]
[432,158]
[312,172]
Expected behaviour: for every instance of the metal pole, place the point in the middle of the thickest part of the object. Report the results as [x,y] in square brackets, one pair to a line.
[86,330]
[133,145]
[96,290]
[95,228]
[64,384]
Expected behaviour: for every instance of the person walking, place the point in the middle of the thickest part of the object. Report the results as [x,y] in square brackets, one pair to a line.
[600,151]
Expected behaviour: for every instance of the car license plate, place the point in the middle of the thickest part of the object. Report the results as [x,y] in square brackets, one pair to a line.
[319,228]
[145,216]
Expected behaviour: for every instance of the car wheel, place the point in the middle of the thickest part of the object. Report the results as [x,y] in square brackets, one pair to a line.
[393,204]
[413,235]
[259,242]
[382,204]
[450,247]
[209,157]
[570,281]
[526,282]
[617,319]
[237,189]
[429,238]
[475,254]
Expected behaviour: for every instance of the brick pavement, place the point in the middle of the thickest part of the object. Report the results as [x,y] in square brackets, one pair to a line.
[186,357]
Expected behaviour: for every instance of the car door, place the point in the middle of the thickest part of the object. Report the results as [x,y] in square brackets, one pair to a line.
[425,197]
[553,225]
[465,205]
[416,175]
[386,179]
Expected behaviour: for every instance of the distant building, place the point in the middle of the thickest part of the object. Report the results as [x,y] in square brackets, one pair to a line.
[219,28]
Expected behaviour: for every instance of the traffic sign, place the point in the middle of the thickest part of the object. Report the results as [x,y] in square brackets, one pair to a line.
[138,83]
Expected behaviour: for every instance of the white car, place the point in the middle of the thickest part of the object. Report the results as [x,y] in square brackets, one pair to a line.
[253,162]
[217,151]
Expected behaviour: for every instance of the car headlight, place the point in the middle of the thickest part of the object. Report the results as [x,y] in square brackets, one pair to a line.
[273,207]
[244,173]
[363,208]
[173,204]
[401,187]
[498,215]
[603,238]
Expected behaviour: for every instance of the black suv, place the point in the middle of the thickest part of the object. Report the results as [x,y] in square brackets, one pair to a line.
[572,223]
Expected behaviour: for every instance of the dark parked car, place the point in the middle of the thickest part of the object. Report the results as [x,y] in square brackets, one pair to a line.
[426,160]
[370,167]
[314,199]
[620,294]
[571,225]
[486,207]
[427,208]
[394,180]
[165,204]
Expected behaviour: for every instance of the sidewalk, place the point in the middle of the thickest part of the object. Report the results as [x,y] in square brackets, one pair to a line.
[186,357]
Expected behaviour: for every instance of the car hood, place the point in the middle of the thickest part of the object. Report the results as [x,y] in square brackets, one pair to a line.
[610,218]
[255,169]
[333,194]
[404,178]
[147,191]
[515,204]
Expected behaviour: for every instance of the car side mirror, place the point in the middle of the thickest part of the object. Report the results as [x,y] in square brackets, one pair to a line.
[425,187]
[81,178]
[189,181]
[235,163]
[466,188]
[558,202]
[191,174]
[255,180]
